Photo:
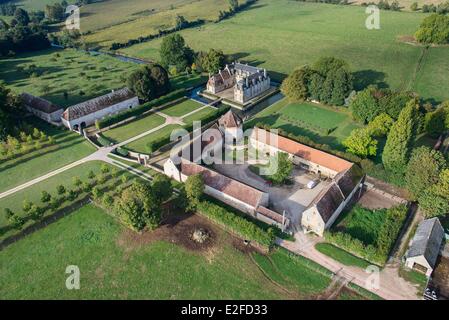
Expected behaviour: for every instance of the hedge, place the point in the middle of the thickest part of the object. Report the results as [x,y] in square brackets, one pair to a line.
[112,119]
[122,151]
[154,145]
[236,224]
[105,142]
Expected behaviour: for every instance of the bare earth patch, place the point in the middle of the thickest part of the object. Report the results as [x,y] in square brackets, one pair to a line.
[176,229]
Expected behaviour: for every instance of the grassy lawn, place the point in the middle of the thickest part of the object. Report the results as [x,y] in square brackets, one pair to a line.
[293,272]
[361,223]
[414,277]
[187,81]
[432,78]
[298,33]
[182,108]
[69,147]
[134,128]
[119,21]
[341,255]
[363,292]
[322,124]
[49,73]
[111,268]
[33,193]
[140,145]
[197,116]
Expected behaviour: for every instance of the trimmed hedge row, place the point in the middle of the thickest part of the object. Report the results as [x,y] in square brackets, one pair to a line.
[236,224]
[112,119]
[388,233]
[105,142]
[155,145]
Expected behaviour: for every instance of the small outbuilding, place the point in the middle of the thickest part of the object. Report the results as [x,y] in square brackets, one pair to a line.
[42,108]
[425,246]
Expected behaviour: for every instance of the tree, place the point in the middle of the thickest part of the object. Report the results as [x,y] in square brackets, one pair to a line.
[295,86]
[414,6]
[380,126]
[180,22]
[138,207]
[424,169]
[194,187]
[433,204]
[91,175]
[149,82]
[361,143]
[45,197]
[60,189]
[364,106]
[104,168]
[212,61]
[435,121]
[175,52]
[22,17]
[26,205]
[55,13]
[161,187]
[36,212]
[284,168]
[434,29]
[233,5]
[77,182]
[400,139]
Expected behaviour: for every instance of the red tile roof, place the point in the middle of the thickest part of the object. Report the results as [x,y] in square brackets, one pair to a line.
[230,120]
[223,184]
[270,214]
[310,154]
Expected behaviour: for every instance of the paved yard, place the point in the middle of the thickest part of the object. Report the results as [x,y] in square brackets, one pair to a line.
[374,200]
[294,198]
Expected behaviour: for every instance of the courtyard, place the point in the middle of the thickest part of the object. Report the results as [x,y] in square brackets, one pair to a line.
[294,198]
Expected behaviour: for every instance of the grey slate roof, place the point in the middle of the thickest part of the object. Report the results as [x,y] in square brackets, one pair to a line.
[245,67]
[427,241]
[328,201]
[347,180]
[96,104]
[39,103]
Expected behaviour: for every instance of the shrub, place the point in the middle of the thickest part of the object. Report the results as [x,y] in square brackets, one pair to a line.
[235,223]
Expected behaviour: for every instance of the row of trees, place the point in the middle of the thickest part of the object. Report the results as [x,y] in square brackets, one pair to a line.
[328,80]
[52,203]
[26,142]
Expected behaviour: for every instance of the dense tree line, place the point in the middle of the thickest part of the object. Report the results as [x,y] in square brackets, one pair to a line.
[7,9]
[22,34]
[149,82]
[442,8]
[329,81]
[372,101]
[10,107]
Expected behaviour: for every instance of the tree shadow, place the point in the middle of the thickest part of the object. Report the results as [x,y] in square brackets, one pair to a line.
[364,78]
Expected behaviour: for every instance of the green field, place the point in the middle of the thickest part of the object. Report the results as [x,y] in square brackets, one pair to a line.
[134,128]
[119,21]
[49,73]
[69,147]
[361,223]
[111,268]
[341,255]
[33,193]
[182,108]
[141,145]
[298,33]
[199,115]
[295,273]
[320,123]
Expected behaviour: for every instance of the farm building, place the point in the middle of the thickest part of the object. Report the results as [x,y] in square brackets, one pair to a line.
[247,81]
[85,113]
[425,246]
[345,177]
[42,108]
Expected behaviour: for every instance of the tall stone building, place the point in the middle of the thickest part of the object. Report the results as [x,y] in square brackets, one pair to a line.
[247,81]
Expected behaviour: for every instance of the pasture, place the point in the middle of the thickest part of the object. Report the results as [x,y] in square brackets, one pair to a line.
[320,123]
[68,147]
[119,21]
[134,128]
[298,33]
[50,73]
[116,263]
